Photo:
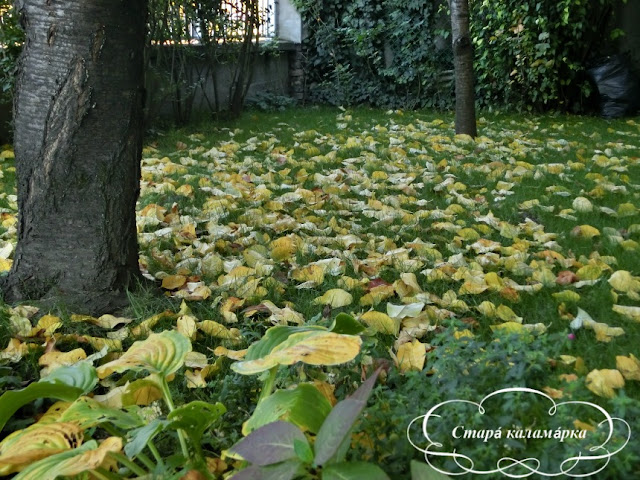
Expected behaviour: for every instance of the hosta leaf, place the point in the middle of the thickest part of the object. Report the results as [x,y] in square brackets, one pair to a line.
[313,348]
[24,447]
[140,437]
[87,412]
[274,337]
[81,375]
[304,406]
[73,462]
[161,353]
[64,383]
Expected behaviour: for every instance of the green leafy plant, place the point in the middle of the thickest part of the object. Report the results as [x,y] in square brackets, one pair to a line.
[11,38]
[54,446]
[534,54]
[388,54]
[281,450]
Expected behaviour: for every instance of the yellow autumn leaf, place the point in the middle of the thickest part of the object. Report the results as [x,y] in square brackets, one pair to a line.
[173,282]
[144,328]
[509,327]
[186,325]
[232,354]
[589,272]
[48,323]
[493,281]
[282,248]
[585,231]
[218,330]
[311,273]
[632,313]
[53,360]
[567,296]
[629,367]
[411,356]
[335,297]
[380,322]
[377,295]
[623,281]
[505,314]
[229,307]
[487,309]
[582,205]
[604,333]
[466,333]
[603,382]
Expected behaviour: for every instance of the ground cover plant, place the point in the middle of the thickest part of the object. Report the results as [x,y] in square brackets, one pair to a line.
[325,277]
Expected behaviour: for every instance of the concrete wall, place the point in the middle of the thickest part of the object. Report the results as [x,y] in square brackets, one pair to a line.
[288,22]
[272,73]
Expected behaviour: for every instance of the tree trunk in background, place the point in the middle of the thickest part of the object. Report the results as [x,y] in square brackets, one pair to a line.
[463,64]
[78,144]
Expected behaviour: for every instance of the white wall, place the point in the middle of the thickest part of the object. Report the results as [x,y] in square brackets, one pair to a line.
[289,23]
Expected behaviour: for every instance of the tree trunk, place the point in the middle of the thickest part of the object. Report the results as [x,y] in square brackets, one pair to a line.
[463,64]
[78,143]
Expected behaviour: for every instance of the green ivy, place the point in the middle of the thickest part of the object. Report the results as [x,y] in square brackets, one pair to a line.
[533,54]
[396,53]
[388,53]
[11,37]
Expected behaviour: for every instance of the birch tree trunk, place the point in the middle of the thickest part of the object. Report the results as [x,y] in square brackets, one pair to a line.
[463,65]
[78,144]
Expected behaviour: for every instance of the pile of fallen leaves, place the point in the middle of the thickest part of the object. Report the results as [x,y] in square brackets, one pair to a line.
[532,227]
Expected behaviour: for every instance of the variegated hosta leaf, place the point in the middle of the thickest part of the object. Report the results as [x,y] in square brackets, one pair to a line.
[313,348]
[24,447]
[161,353]
[73,462]
[81,375]
[87,412]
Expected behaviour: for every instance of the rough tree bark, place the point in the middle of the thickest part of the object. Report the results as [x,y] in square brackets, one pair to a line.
[463,65]
[78,143]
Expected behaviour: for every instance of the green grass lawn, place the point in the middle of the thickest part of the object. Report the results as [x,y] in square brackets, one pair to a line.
[516,254]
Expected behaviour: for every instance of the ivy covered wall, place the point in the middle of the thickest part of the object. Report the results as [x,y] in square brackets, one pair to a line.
[529,55]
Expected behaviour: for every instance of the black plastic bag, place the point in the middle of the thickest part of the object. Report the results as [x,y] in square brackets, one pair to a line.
[618,87]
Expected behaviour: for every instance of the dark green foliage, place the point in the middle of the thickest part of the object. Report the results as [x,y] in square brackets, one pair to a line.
[11,38]
[387,53]
[534,54]
[470,369]
[393,53]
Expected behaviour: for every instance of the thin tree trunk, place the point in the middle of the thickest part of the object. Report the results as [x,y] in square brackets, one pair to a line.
[78,142]
[463,64]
